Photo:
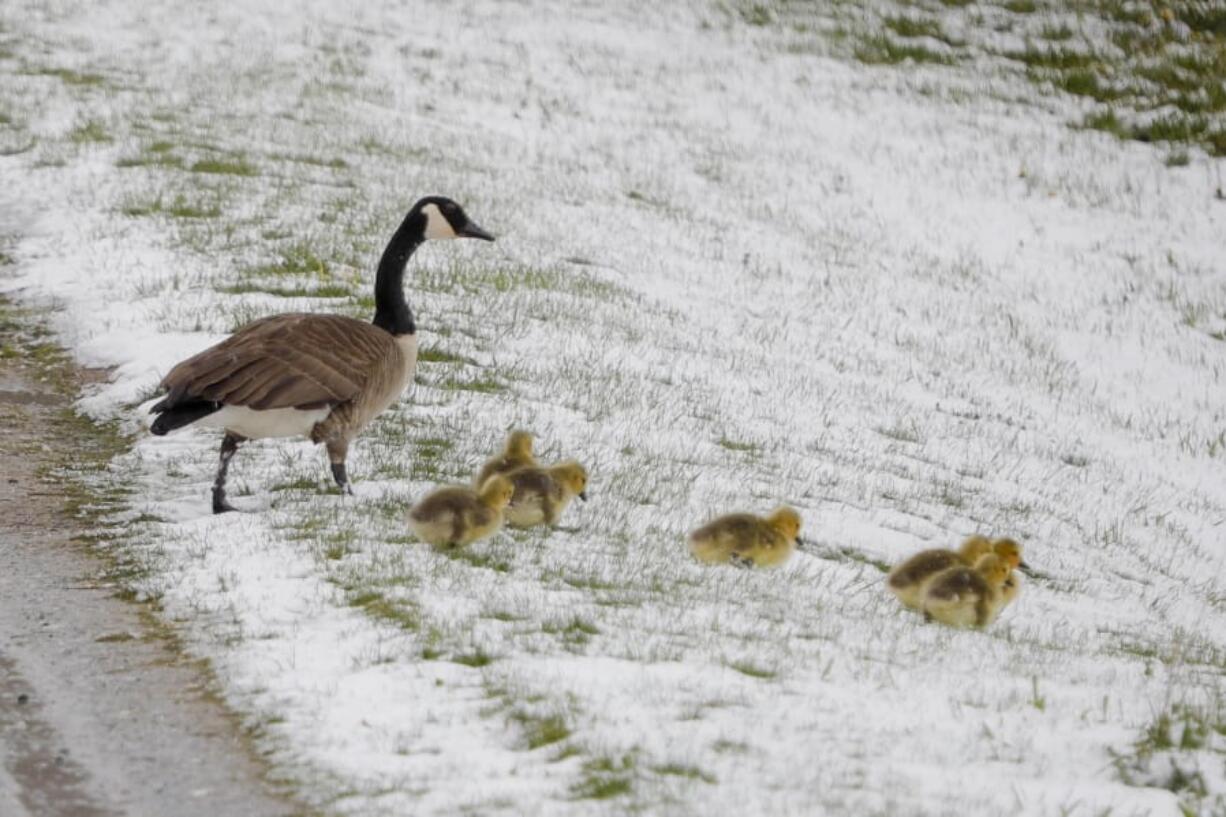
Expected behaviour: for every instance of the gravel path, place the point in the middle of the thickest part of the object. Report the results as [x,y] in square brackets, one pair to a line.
[99,714]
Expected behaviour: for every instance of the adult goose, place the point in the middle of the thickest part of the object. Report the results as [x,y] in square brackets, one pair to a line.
[324,377]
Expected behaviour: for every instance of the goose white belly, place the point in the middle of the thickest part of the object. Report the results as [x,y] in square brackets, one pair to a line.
[254,425]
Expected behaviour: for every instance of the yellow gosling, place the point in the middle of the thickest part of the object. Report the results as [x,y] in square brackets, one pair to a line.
[747,540]
[456,515]
[541,494]
[516,454]
[967,597]
[908,579]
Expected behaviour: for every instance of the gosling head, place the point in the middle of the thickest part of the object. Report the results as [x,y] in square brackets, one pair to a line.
[519,445]
[786,521]
[497,491]
[993,568]
[573,477]
[437,217]
[974,547]
[1010,552]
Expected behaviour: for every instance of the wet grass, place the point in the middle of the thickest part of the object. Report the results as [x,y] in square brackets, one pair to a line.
[233,166]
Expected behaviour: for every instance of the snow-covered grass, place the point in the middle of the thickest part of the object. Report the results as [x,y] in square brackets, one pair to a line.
[731,272]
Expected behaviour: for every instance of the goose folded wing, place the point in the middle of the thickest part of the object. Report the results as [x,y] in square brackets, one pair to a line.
[288,361]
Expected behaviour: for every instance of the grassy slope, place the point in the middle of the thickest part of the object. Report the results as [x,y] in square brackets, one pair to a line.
[911,307]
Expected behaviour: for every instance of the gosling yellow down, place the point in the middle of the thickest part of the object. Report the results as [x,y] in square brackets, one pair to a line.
[967,597]
[907,580]
[456,515]
[541,494]
[516,454]
[747,540]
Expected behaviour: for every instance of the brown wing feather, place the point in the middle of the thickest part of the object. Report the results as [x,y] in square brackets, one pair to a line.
[285,361]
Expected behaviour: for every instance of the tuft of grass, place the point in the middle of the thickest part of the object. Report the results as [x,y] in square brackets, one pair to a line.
[91,132]
[321,291]
[541,731]
[733,445]
[436,354]
[882,50]
[484,385]
[179,207]
[70,77]
[1107,122]
[605,778]
[752,670]
[687,772]
[474,659]
[296,259]
[237,166]
[757,14]
[914,27]
[375,604]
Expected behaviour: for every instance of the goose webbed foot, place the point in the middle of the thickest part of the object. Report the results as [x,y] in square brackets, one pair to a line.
[221,504]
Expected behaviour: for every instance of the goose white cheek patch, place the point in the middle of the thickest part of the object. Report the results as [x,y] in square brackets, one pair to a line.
[436,225]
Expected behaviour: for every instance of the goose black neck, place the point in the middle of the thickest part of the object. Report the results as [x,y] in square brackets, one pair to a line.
[392,311]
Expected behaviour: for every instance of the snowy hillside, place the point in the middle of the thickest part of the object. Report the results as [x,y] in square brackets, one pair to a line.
[731,272]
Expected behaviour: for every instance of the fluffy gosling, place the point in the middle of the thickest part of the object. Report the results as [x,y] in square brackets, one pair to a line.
[516,454]
[967,597]
[747,540]
[541,494]
[456,515]
[907,580]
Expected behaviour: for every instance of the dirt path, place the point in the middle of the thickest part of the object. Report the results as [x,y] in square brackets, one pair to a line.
[99,714]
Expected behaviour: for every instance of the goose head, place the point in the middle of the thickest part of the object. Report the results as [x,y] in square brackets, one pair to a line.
[786,521]
[519,445]
[497,491]
[438,217]
[1011,552]
[573,477]
[993,568]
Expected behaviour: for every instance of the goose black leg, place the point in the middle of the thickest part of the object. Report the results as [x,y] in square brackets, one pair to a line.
[337,452]
[342,479]
[229,445]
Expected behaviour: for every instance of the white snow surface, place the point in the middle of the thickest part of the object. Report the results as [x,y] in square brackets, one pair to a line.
[907,303]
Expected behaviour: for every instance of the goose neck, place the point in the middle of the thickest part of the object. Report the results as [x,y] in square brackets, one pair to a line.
[392,312]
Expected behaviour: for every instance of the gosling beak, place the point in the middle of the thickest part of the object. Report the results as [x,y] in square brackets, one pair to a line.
[801,543]
[583,495]
[471,230]
[1023,566]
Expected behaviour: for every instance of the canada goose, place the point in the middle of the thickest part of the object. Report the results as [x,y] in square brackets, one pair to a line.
[747,540]
[324,377]
[541,494]
[907,580]
[967,597]
[517,454]
[457,515]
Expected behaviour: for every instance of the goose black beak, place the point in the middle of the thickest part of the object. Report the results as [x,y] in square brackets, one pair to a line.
[471,230]
[583,495]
